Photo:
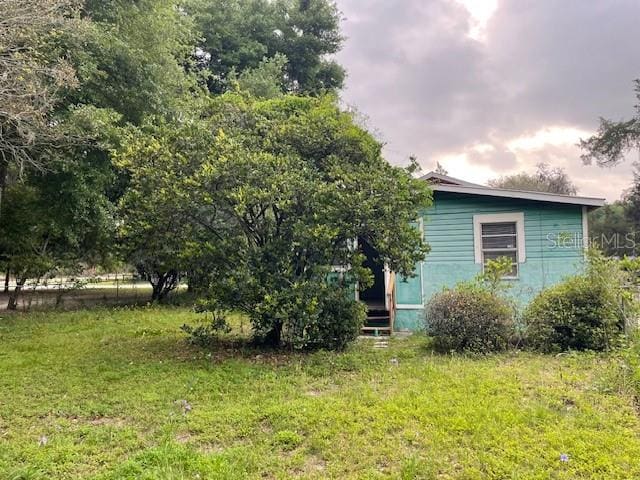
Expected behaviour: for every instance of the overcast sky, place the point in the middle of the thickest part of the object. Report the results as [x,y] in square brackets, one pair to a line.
[492,87]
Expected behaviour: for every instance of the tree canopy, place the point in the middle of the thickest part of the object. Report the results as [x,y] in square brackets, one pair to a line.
[614,138]
[239,34]
[277,191]
[32,79]
[545,179]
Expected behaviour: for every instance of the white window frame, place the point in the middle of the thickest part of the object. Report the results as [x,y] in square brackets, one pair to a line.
[515,217]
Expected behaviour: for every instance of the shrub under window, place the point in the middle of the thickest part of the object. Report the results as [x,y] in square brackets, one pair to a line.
[469,318]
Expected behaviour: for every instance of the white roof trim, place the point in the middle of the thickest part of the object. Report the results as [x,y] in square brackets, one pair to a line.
[447,178]
[522,194]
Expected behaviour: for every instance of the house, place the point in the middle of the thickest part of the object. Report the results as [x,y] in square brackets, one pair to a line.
[466,226]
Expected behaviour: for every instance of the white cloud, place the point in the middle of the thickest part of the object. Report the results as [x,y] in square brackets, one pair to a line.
[548,136]
[460,166]
[481,12]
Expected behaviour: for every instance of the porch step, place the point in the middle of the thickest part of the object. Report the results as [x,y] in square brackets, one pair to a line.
[378,321]
[376,331]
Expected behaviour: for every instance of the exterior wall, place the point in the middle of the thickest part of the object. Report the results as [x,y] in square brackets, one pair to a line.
[553,241]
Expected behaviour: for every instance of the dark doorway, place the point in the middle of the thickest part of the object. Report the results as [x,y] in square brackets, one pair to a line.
[375,293]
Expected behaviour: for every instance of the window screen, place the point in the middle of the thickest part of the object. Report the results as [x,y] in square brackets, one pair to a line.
[500,240]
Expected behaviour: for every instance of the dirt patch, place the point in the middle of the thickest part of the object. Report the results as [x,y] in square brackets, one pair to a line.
[108,421]
[184,437]
[211,449]
[321,390]
[315,463]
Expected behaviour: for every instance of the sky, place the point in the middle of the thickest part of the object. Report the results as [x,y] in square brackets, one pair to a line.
[493,87]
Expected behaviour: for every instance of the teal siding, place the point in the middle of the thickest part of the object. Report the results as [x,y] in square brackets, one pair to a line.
[448,228]
[409,291]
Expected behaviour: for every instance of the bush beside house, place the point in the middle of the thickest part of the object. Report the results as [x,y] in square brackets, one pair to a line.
[469,318]
[474,316]
[585,312]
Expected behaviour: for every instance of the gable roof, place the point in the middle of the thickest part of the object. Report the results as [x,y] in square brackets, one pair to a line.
[445,183]
[439,179]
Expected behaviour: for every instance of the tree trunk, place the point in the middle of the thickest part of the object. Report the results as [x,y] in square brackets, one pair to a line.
[4,170]
[6,281]
[13,297]
[157,290]
[165,283]
[274,336]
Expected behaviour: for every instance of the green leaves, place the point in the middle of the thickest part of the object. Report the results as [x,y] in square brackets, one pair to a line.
[585,312]
[269,195]
[243,37]
[613,139]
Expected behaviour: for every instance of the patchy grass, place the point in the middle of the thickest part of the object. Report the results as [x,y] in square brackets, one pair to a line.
[113,394]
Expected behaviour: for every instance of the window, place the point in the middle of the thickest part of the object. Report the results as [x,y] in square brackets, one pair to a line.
[500,240]
[500,235]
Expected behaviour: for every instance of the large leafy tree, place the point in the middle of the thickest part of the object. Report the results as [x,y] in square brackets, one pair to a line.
[239,34]
[133,57]
[545,179]
[56,219]
[32,79]
[168,228]
[608,147]
[614,138]
[282,188]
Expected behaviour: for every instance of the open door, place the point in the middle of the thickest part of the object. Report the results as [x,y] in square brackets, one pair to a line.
[375,294]
[380,304]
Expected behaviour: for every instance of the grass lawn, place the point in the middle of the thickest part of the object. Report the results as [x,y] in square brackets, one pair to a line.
[105,394]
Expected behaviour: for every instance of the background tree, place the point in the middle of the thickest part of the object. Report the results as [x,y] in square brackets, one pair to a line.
[31,79]
[440,169]
[613,139]
[55,219]
[239,34]
[611,230]
[134,58]
[129,61]
[608,147]
[545,179]
[632,200]
[266,80]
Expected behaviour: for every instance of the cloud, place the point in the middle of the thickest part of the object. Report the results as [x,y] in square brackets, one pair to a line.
[439,78]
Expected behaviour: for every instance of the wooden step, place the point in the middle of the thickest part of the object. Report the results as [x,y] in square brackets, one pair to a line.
[378,324]
[376,331]
[378,321]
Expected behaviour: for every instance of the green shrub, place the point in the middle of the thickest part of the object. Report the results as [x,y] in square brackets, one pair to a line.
[208,332]
[317,316]
[338,322]
[469,318]
[585,312]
